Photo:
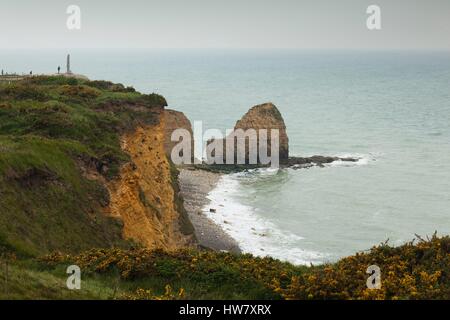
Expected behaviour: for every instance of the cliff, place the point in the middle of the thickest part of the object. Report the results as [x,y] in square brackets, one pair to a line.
[176,120]
[82,165]
[144,197]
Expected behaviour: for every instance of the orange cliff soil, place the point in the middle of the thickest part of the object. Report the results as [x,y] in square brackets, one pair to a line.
[144,197]
[174,120]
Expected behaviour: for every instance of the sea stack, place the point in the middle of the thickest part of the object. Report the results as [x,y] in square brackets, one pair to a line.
[266,116]
[260,117]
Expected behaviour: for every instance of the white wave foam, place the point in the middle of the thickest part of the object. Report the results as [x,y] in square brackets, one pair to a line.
[254,234]
[261,172]
[363,160]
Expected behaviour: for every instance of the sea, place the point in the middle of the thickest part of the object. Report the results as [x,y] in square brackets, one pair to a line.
[391,109]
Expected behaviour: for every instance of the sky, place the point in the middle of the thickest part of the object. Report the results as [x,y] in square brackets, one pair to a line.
[312,24]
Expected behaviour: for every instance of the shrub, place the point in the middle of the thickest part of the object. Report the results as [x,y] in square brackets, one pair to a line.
[107,85]
[80,91]
[411,271]
[23,92]
[145,294]
[52,80]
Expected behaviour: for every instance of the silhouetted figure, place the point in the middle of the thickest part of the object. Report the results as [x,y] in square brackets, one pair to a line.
[2,71]
[59,69]
[31,73]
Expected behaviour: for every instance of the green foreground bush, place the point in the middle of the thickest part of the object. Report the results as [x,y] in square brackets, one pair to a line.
[412,271]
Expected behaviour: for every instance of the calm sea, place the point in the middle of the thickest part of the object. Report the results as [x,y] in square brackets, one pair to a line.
[392,109]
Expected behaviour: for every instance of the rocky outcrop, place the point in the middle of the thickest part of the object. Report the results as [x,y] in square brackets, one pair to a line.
[261,117]
[267,116]
[144,197]
[175,120]
[319,161]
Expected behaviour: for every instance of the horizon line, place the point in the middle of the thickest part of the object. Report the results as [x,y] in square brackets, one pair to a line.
[227,48]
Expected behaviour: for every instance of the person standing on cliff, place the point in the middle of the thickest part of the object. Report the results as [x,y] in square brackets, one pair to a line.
[59,69]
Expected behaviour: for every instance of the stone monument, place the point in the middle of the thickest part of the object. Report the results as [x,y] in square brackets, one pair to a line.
[68,65]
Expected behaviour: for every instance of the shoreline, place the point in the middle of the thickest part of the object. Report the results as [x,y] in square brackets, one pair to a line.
[195,185]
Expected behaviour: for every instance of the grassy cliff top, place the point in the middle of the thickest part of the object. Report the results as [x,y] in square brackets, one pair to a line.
[52,129]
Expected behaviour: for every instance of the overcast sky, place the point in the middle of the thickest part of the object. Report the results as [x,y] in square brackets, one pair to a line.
[412,24]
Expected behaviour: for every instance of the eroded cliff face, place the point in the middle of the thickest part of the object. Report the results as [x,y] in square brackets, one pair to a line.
[144,197]
[174,120]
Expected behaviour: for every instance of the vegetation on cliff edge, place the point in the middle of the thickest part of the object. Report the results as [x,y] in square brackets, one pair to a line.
[54,130]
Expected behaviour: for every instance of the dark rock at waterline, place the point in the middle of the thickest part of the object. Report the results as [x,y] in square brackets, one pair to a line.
[291,162]
[320,161]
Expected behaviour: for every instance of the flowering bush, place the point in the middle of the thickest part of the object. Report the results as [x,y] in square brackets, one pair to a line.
[145,294]
[413,271]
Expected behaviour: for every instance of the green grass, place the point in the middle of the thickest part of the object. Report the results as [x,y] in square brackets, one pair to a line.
[202,275]
[51,130]
[25,282]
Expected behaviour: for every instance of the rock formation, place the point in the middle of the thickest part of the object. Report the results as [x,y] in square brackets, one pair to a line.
[267,116]
[175,120]
[264,116]
[319,161]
